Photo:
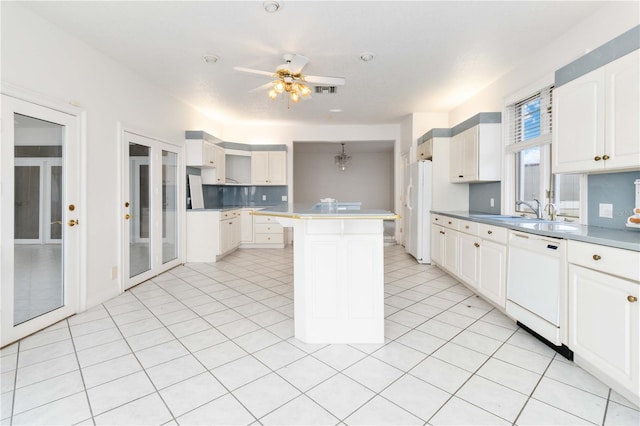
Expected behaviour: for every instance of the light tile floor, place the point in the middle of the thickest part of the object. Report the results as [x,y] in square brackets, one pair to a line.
[213,344]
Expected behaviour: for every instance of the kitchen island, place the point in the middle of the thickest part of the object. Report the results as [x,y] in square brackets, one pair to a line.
[338,272]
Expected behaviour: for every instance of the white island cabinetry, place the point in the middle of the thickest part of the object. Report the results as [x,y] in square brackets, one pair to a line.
[338,273]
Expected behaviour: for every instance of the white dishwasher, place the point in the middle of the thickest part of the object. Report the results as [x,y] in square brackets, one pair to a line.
[536,283]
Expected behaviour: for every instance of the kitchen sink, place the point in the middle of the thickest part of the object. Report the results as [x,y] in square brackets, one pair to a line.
[552,226]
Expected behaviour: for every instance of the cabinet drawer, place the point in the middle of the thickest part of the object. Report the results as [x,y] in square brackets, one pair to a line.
[265,219]
[468,227]
[268,228]
[611,260]
[438,219]
[493,233]
[229,214]
[269,239]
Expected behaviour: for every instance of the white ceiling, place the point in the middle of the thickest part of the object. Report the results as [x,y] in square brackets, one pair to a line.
[430,56]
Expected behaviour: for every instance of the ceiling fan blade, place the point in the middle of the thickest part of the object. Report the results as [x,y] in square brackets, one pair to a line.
[252,71]
[326,81]
[297,63]
[263,87]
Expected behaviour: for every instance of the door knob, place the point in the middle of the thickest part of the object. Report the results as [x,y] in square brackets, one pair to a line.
[72,222]
[127,216]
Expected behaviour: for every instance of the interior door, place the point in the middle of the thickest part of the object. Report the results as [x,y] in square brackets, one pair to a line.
[151,207]
[40,230]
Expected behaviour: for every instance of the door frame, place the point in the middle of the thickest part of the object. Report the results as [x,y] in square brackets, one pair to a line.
[127,282]
[76,302]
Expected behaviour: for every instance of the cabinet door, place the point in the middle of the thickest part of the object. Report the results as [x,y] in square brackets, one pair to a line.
[219,155]
[622,112]
[236,230]
[277,168]
[493,272]
[603,324]
[470,154]
[226,235]
[246,226]
[437,244]
[456,172]
[578,124]
[469,259]
[451,250]
[259,167]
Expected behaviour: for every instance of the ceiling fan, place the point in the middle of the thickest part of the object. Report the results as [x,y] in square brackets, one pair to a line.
[288,78]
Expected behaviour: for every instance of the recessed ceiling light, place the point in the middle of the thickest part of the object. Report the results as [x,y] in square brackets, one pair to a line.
[335,110]
[211,59]
[271,6]
[367,56]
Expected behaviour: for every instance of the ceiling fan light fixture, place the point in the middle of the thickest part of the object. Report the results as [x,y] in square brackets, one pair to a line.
[272,94]
[342,160]
[271,6]
[294,97]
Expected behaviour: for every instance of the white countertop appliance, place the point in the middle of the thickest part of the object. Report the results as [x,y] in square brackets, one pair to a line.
[417,211]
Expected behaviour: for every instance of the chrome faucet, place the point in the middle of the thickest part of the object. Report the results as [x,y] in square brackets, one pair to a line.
[553,210]
[536,210]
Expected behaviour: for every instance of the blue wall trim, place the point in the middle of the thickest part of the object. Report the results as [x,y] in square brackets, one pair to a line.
[480,118]
[608,52]
[434,133]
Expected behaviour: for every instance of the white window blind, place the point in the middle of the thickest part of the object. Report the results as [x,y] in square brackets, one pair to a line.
[529,121]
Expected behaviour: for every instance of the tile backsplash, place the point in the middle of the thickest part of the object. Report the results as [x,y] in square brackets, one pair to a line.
[617,189]
[480,195]
[218,196]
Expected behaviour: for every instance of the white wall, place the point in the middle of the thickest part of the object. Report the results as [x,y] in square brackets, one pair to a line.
[613,19]
[369,179]
[40,58]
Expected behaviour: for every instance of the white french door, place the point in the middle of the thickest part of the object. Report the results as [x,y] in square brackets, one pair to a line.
[40,228]
[152,188]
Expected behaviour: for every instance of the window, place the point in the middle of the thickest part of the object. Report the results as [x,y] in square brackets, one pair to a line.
[530,122]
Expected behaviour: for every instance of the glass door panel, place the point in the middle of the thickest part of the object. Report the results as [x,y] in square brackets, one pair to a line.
[38,272]
[139,190]
[169,206]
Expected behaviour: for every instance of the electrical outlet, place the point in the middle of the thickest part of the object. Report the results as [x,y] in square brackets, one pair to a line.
[284,198]
[492,202]
[606,210]
[264,198]
[114,273]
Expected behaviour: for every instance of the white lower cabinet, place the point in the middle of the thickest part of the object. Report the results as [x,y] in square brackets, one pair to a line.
[451,255]
[246,226]
[493,270]
[469,269]
[265,231]
[473,252]
[437,244]
[604,324]
[211,234]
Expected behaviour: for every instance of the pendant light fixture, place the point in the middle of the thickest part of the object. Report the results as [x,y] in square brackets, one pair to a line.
[342,160]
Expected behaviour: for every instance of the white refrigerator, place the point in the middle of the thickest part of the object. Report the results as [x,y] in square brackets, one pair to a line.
[417,212]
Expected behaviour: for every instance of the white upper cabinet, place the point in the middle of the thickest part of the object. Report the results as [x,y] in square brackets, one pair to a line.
[475,154]
[269,168]
[202,153]
[596,119]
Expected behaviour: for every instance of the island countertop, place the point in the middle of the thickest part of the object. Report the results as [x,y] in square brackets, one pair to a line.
[304,211]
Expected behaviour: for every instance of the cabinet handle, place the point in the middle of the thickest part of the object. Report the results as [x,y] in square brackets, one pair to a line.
[449,222]
[605,157]
[476,244]
[437,219]
[460,176]
[632,299]
[466,227]
[442,232]
[597,158]
[210,162]
[597,257]
[489,232]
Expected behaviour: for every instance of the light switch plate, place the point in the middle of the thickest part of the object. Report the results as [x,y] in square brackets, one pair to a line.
[284,198]
[606,210]
[264,198]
